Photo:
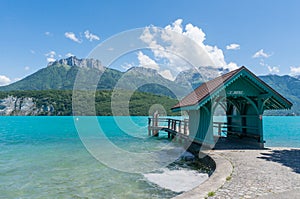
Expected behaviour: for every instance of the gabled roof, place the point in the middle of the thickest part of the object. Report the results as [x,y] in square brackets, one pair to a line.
[208,89]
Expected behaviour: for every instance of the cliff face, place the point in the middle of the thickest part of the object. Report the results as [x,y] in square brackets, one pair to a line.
[23,106]
[82,63]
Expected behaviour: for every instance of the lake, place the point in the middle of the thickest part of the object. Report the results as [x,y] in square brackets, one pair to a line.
[44,157]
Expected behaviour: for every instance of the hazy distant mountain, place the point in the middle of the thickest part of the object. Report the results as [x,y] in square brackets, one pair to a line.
[194,77]
[149,80]
[297,77]
[287,86]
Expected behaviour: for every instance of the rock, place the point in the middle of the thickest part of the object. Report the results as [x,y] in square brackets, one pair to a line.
[187,156]
[12,105]
[82,63]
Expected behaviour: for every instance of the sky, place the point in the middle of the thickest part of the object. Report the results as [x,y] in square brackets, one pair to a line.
[261,35]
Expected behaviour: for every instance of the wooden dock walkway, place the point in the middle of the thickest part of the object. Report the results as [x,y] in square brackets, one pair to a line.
[180,128]
[171,126]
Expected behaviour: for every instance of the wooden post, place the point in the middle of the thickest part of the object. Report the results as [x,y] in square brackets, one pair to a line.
[219,129]
[149,126]
[179,126]
[168,123]
[174,125]
[184,128]
[155,124]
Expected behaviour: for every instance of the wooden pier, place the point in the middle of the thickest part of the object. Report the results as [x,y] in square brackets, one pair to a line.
[180,128]
[171,126]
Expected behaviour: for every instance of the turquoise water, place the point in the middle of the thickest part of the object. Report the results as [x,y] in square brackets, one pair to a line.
[279,131]
[282,131]
[43,157]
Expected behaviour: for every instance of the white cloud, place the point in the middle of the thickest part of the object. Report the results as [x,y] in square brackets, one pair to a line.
[127,66]
[50,56]
[4,80]
[17,79]
[273,69]
[72,36]
[50,59]
[176,26]
[49,34]
[89,36]
[32,51]
[194,33]
[26,68]
[51,53]
[147,62]
[69,55]
[175,42]
[295,70]
[233,47]
[232,66]
[261,53]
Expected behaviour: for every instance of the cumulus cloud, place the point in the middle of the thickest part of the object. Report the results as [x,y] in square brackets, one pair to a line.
[146,62]
[261,54]
[233,47]
[232,66]
[50,56]
[69,55]
[295,70]
[89,36]
[72,36]
[273,69]
[4,80]
[176,42]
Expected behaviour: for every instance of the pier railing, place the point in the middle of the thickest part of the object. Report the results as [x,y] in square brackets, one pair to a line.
[178,126]
[169,124]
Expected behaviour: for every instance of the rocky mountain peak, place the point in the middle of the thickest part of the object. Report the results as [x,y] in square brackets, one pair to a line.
[82,63]
[143,71]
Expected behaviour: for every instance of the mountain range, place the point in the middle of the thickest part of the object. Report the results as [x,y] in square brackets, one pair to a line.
[62,74]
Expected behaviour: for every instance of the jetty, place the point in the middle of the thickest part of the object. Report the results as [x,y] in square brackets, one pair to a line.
[243,97]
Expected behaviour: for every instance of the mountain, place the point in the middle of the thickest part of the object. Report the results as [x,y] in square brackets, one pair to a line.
[194,77]
[61,75]
[297,77]
[150,81]
[287,86]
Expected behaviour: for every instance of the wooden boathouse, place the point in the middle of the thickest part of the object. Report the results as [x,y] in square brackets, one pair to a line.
[243,97]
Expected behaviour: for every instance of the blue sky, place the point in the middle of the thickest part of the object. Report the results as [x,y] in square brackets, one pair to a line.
[262,35]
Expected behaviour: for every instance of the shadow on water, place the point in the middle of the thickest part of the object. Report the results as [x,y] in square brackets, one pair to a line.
[289,158]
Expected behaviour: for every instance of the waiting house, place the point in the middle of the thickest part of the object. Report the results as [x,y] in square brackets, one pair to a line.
[244,98]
